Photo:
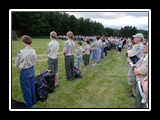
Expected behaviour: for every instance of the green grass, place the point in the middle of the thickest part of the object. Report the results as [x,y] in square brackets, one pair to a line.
[102,86]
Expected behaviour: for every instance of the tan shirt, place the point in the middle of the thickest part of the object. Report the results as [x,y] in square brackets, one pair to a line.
[136,50]
[53,48]
[26,58]
[87,49]
[69,47]
[95,45]
[143,68]
[99,42]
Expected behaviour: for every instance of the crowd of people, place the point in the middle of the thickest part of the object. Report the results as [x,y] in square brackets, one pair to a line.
[96,47]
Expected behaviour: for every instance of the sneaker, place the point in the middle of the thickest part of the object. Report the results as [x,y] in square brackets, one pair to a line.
[94,64]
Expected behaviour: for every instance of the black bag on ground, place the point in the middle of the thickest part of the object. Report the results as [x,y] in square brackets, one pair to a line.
[18,105]
[41,87]
[50,79]
[77,73]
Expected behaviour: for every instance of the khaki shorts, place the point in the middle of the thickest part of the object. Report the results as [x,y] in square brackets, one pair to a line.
[53,65]
[131,76]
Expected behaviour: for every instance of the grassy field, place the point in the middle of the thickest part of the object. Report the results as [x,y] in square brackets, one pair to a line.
[102,86]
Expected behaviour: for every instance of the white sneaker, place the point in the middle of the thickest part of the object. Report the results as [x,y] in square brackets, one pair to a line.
[94,64]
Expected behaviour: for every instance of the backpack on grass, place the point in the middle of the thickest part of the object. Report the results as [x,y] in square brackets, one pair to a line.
[50,79]
[41,87]
[77,73]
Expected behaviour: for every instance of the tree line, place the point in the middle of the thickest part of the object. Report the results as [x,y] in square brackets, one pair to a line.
[42,23]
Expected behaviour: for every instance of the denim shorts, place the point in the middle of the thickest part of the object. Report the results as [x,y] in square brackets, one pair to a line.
[78,62]
[95,55]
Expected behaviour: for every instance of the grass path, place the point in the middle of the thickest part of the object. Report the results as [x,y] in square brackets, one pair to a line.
[102,86]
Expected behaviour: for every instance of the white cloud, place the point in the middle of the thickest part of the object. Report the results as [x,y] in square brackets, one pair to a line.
[116,19]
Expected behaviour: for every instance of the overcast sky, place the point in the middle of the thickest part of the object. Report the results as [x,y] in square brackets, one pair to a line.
[116,19]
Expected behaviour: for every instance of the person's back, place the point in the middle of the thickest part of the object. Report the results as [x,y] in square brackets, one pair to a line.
[129,45]
[79,52]
[27,58]
[68,52]
[53,48]
[79,55]
[52,53]
[70,47]
[94,45]
[87,49]
[99,44]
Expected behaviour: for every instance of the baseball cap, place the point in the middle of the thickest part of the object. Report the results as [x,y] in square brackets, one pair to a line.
[139,35]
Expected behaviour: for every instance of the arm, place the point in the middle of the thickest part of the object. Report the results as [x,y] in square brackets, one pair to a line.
[136,72]
[34,58]
[65,48]
[133,52]
[47,50]
[143,69]
[17,60]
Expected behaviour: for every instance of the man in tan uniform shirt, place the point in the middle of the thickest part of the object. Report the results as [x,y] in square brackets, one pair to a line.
[137,50]
[68,52]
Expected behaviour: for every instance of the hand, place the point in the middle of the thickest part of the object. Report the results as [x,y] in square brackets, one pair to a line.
[136,72]
[145,85]
[138,65]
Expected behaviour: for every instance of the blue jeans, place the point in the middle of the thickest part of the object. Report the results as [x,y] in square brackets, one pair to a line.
[78,62]
[102,53]
[27,79]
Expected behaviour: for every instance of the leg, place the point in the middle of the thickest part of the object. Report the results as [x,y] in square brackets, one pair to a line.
[33,91]
[26,87]
[78,63]
[67,67]
[72,67]
[56,71]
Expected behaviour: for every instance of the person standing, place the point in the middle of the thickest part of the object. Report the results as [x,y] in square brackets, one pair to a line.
[141,71]
[130,45]
[86,52]
[99,43]
[137,50]
[94,46]
[68,52]
[26,60]
[105,42]
[52,53]
[124,43]
[79,55]
[120,45]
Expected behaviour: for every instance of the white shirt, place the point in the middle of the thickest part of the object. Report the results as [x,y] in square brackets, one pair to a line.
[26,58]
[53,48]
[69,47]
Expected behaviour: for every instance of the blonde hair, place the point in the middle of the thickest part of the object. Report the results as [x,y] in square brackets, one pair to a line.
[70,35]
[53,34]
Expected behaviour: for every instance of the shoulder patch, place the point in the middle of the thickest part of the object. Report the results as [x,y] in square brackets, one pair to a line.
[66,43]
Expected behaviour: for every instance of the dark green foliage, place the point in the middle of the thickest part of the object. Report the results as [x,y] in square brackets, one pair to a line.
[42,23]
[128,31]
